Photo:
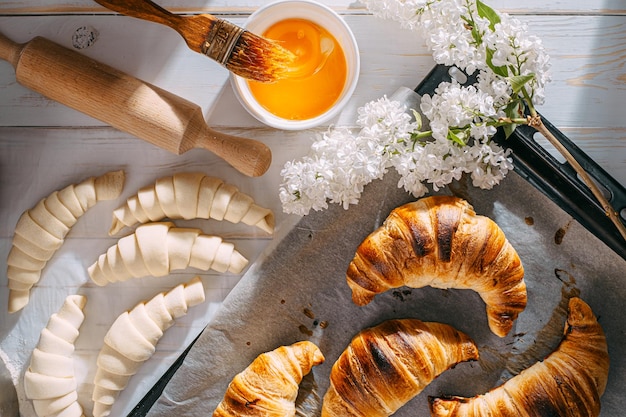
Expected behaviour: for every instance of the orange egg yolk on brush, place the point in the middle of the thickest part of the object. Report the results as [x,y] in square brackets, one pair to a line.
[314,81]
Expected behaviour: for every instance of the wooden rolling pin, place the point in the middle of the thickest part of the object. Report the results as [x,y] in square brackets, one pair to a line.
[127,103]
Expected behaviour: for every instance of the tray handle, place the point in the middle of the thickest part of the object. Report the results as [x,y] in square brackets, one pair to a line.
[558,181]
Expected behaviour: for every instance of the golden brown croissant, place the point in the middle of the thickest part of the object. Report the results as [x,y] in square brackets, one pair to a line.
[387,365]
[568,383]
[440,242]
[269,385]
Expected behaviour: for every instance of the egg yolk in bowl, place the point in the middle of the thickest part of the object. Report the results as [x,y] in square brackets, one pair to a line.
[314,81]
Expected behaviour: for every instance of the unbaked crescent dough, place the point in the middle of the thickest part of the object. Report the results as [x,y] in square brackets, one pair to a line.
[41,230]
[132,340]
[49,380]
[156,249]
[191,195]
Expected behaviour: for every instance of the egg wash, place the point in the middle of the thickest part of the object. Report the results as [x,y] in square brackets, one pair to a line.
[314,81]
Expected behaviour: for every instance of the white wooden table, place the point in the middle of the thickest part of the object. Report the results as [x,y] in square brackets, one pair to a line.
[45,146]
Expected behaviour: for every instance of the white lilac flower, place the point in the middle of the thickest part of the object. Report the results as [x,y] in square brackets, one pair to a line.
[445,28]
[457,35]
[440,23]
[515,48]
[454,105]
[405,12]
[336,170]
[495,86]
[341,163]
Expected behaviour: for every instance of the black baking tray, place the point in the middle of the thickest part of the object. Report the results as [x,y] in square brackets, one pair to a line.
[558,181]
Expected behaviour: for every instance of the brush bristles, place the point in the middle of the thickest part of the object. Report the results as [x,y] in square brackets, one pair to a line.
[260,59]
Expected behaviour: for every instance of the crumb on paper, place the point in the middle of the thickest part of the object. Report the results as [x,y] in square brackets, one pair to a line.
[565,277]
[560,234]
[305,330]
[401,294]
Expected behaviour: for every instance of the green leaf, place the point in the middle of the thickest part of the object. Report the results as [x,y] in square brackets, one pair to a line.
[418,119]
[512,110]
[476,36]
[456,138]
[502,71]
[519,81]
[509,129]
[488,13]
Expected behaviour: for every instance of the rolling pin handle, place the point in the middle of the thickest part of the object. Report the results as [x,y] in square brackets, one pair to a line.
[248,156]
[9,50]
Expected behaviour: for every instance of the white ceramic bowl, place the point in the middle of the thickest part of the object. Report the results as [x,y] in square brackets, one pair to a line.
[266,16]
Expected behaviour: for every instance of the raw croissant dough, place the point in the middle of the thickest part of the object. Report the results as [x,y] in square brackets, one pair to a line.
[155,249]
[440,242]
[568,383]
[269,385]
[387,365]
[41,230]
[49,380]
[132,340]
[188,196]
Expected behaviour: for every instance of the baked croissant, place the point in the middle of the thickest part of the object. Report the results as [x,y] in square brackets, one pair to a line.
[132,340]
[49,380]
[440,242]
[188,196]
[41,230]
[269,385]
[155,249]
[568,383]
[387,365]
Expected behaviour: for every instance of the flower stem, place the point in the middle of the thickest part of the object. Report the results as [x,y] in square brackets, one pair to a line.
[421,135]
[529,102]
[537,123]
[503,121]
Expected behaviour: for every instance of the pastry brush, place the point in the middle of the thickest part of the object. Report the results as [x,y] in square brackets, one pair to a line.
[243,53]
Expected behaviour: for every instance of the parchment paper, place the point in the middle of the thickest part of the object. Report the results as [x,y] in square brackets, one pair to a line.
[297,291]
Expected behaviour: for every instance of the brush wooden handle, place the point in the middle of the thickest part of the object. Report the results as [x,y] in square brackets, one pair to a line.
[127,103]
[142,9]
[193,29]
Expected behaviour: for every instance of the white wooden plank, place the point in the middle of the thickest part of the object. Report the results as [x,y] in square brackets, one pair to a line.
[586,52]
[244,6]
